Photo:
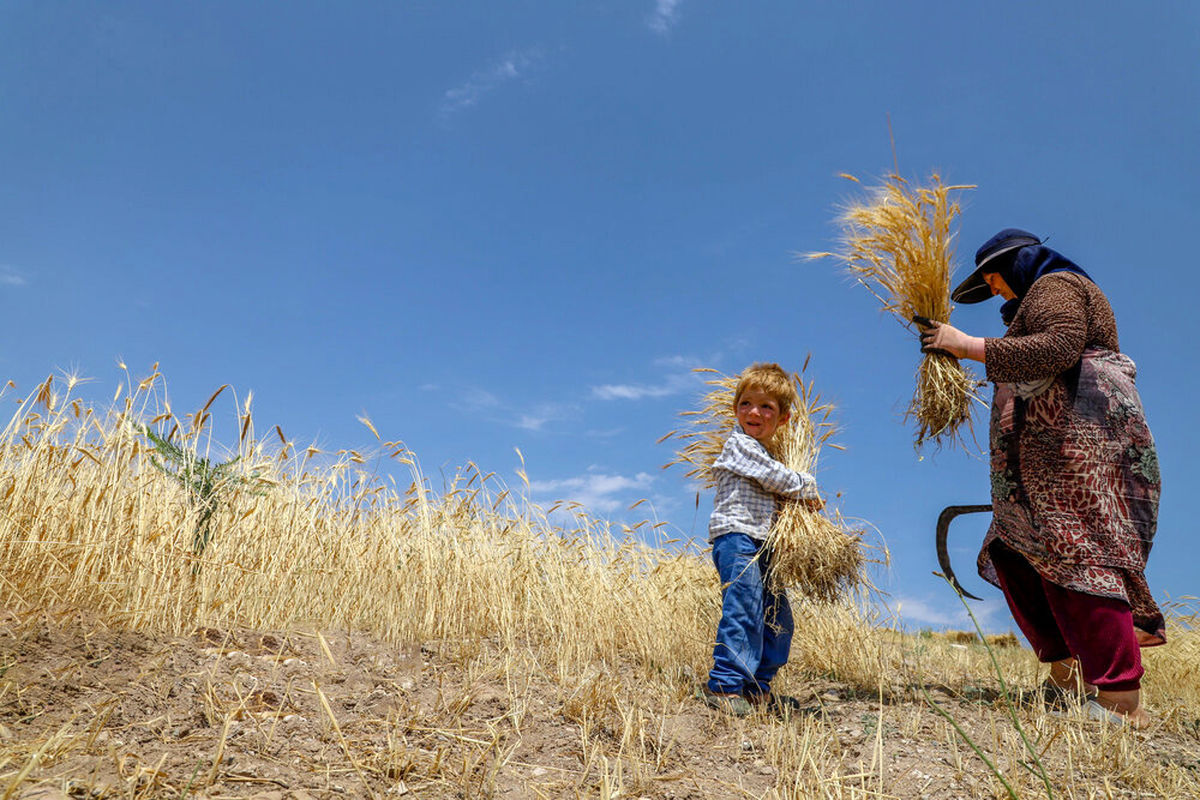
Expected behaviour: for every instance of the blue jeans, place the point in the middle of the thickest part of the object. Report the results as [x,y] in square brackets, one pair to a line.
[754,635]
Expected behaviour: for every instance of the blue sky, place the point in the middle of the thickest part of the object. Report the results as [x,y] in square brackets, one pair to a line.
[492,226]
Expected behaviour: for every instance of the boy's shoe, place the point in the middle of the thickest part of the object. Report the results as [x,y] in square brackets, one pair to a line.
[781,705]
[733,704]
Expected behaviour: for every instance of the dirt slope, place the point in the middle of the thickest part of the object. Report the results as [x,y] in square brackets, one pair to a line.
[91,712]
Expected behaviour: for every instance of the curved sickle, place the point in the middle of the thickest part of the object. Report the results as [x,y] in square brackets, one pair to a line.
[943,555]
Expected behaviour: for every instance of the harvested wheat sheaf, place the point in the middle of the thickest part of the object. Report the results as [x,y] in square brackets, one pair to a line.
[813,552]
[898,243]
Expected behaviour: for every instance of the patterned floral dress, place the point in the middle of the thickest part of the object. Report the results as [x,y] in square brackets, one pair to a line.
[1075,481]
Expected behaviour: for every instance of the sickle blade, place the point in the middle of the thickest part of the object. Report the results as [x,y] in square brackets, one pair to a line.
[943,554]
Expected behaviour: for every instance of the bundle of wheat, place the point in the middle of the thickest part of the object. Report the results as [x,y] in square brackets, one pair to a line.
[898,243]
[814,552]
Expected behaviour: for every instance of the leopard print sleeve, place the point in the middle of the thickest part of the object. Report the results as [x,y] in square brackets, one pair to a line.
[1048,335]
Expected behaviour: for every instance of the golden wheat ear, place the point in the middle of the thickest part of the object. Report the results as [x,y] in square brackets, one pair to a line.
[898,243]
[814,552]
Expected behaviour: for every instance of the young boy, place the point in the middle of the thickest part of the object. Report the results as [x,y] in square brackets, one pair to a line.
[754,635]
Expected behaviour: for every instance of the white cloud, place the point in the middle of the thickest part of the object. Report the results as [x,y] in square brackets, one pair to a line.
[11,277]
[537,418]
[471,399]
[664,16]
[617,391]
[671,384]
[475,398]
[919,612]
[598,492]
[492,408]
[604,433]
[992,614]
[531,422]
[510,67]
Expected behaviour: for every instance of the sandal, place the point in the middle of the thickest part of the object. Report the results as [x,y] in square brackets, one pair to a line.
[1137,719]
[1058,698]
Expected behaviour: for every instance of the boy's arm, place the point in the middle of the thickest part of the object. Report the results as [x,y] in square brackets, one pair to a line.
[750,460]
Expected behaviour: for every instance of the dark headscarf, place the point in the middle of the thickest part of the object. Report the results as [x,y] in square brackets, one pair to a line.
[1025,267]
[1020,258]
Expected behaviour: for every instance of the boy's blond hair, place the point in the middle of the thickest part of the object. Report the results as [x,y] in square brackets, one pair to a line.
[771,379]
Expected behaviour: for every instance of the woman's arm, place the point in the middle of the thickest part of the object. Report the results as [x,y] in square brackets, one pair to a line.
[1053,332]
[1054,313]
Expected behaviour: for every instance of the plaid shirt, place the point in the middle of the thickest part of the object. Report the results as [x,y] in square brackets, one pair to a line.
[749,486]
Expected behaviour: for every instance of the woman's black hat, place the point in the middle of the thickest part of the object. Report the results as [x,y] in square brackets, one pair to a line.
[1008,241]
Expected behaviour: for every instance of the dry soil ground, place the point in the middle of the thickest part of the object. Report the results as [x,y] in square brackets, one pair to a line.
[87,711]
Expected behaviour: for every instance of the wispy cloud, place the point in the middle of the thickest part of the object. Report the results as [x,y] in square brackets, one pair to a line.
[665,16]
[630,391]
[991,613]
[468,398]
[509,68]
[680,379]
[682,362]
[604,433]
[475,399]
[531,422]
[596,491]
[10,276]
[492,408]
[539,416]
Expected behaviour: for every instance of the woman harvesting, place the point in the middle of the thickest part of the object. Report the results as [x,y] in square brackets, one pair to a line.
[1075,481]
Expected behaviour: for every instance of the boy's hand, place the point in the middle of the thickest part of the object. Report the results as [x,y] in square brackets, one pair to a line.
[815,504]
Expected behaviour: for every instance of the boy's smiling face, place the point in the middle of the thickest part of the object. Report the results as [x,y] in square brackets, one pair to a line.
[758,414]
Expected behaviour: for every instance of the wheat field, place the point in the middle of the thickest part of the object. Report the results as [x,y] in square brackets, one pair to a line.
[133,518]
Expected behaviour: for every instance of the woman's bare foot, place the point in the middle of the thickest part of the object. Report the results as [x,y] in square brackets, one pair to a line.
[1065,674]
[1128,705]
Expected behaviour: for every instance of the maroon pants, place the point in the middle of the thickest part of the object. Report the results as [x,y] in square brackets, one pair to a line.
[1062,623]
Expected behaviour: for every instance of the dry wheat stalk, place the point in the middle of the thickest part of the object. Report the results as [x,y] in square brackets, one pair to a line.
[898,243]
[87,522]
[811,551]
[88,530]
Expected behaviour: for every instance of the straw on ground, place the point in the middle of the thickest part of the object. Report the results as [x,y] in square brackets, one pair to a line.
[589,641]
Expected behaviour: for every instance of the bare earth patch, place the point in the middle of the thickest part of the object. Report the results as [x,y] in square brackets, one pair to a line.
[88,711]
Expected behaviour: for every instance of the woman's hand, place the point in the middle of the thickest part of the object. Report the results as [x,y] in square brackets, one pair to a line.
[942,337]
